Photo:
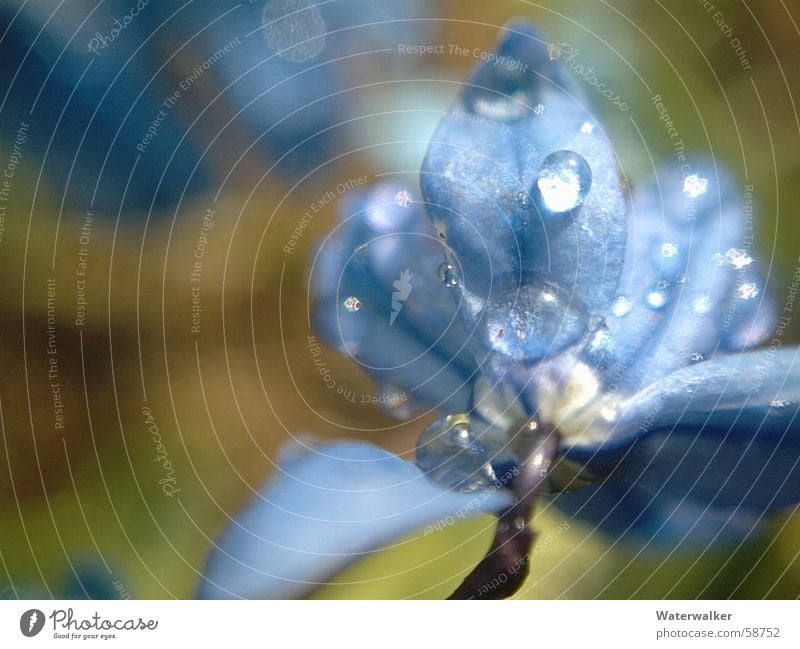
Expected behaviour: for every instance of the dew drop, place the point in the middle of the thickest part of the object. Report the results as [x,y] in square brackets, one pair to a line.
[609,409]
[694,185]
[563,182]
[669,250]
[622,306]
[451,452]
[402,198]
[778,403]
[448,274]
[701,304]
[538,109]
[587,128]
[738,258]
[352,304]
[696,357]
[747,291]
[658,298]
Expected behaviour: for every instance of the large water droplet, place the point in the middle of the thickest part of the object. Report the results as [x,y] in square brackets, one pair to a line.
[563,182]
[451,452]
[448,274]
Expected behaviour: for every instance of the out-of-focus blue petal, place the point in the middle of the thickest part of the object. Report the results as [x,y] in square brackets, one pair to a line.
[722,436]
[526,193]
[403,332]
[325,509]
[640,514]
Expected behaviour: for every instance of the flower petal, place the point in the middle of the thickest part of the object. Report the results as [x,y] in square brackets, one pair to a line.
[526,199]
[689,280]
[402,327]
[325,509]
[722,436]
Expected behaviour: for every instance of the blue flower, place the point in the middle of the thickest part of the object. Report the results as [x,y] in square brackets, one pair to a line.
[578,342]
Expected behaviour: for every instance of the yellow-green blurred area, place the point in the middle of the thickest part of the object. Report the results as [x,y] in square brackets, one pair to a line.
[225,398]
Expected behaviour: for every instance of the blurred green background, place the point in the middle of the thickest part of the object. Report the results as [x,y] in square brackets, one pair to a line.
[87,497]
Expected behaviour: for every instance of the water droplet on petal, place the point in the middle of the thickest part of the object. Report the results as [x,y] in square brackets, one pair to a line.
[609,409]
[402,198]
[669,250]
[658,298]
[738,258]
[694,185]
[448,274]
[452,452]
[747,291]
[701,304]
[563,182]
[622,306]
[538,109]
[352,304]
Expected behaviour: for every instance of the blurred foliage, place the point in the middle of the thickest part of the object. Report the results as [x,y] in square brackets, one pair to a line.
[225,399]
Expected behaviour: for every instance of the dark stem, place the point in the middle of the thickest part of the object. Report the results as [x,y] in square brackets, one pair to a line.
[505,567]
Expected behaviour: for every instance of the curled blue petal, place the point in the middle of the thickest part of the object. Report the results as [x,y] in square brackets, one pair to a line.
[325,509]
[382,297]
